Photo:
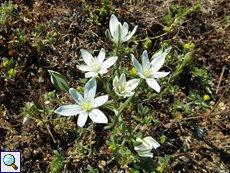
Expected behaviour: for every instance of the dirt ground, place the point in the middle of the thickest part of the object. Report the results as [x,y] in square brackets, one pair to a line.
[76,30]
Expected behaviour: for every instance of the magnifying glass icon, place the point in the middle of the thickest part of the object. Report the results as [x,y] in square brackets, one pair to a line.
[9,160]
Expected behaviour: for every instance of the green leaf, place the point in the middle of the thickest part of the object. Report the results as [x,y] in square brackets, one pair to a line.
[162,139]
[139,108]
[128,152]
[90,168]
[145,110]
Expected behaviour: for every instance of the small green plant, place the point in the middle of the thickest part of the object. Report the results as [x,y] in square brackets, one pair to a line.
[6,13]
[57,164]
[91,170]
[227,22]
[147,44]
[176,14]
[204,78]
[102,11]
[7,69]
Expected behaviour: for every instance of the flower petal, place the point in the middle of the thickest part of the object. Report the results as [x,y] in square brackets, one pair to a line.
[90,90]
[109,62]
[159,74]
[158,61]
[97,116]
[113,22]
[157,54]
[99,101]
[136,64]
[86,56]
[150,140]
[133,83]
[85,68]
[76,96]
[117,37]
[145,154]
[69,110]
[91,74]
[102,71]
[122,78]
[153,84]
[82,118]
[101,56]
[130,35]
[145,58]
[125,29]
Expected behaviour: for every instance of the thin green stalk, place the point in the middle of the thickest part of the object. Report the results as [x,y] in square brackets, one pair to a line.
[116,54]
[101,79]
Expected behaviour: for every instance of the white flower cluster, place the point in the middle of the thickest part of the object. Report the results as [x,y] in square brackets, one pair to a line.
[87,105]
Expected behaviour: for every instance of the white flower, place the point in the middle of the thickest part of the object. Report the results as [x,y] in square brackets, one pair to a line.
[123,88]
[118,31]
[144,149]
[96,65]
[86,106]
[26,121]
[149,70]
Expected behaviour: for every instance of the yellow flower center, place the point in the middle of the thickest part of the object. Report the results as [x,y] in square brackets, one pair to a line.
[147,72]
[186,46]
[86,106]
[111,148]
[206,97]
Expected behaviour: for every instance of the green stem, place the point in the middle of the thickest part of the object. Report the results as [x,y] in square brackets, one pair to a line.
[101,79]
[116,54]
[115,117]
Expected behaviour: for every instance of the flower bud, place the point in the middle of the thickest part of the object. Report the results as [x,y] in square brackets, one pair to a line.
[26,121]
[59,81]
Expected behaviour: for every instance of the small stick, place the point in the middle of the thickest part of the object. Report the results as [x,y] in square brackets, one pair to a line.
[221,76]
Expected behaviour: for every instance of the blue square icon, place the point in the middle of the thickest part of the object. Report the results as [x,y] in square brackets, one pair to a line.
[10,161]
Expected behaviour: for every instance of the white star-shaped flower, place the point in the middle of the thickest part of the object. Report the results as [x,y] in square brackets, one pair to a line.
[118,33]
[95,65]
[123,88]
[149,70]
[86,105]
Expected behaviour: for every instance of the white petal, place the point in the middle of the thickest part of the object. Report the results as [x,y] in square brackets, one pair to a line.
[130,35]
[90,90]
[86,56]
[109,62]
[76,96]
[136,64]
[122,78]
[159,74]
[97,116]
[141,75]
[152,142]
[157,54]
[102,71]
[153,84]
[26,121]
[158,61]
[133,83]
[113,22]
[145,58]
[99,101]
[101,56]
[82,118]
[85,68]
[91,74]
[125,29]
[118,38]
[145,154]
[69,110]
